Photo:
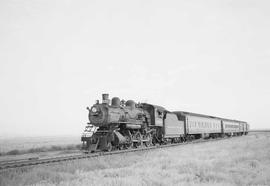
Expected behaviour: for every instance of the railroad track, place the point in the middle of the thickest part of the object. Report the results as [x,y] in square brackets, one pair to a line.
[7,165]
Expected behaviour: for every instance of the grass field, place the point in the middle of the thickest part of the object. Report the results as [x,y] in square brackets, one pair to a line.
[23,145]
[236,161]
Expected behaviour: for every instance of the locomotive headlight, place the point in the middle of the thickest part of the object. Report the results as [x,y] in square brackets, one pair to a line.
[94,109]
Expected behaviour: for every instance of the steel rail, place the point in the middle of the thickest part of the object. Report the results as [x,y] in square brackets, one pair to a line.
[7,165]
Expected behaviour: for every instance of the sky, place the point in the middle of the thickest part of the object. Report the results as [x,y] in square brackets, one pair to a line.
[58,57]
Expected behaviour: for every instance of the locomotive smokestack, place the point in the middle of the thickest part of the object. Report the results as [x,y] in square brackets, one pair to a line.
[105,98]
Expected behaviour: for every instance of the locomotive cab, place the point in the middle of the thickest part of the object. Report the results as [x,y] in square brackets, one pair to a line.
[156,114]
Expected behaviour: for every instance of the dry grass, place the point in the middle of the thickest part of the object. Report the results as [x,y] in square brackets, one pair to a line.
[25,143]
[43,149]
[237,161]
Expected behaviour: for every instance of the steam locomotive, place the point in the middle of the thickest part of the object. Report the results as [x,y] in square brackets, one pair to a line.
[126,124]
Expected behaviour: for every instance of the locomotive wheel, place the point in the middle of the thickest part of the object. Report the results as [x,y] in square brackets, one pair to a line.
[155,140]
[138,137]
[148,137]
[128,146]
[121,147]
[129,143]
[109,147]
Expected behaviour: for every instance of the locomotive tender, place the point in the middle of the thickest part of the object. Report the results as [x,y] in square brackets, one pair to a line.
[124,125]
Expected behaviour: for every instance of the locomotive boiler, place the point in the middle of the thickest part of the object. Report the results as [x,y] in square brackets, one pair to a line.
[106,115]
